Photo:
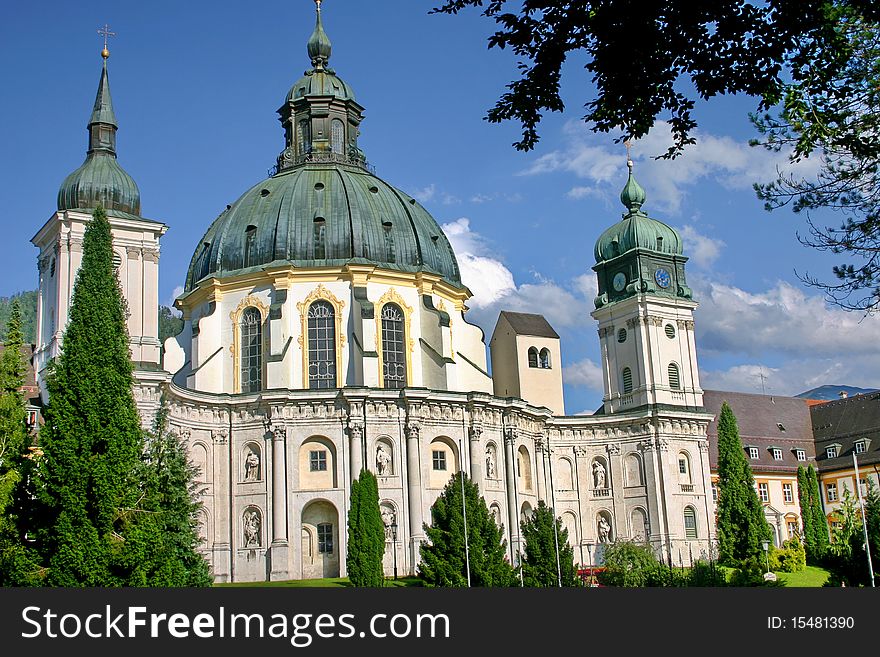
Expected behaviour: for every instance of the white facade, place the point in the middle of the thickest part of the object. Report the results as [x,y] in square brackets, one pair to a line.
[136,255]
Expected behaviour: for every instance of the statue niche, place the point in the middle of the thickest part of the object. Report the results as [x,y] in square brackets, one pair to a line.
[252,526]
[252,464]
[384,461]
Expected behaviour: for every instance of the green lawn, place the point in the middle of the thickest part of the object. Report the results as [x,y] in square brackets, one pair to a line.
[810,576]
[335,582]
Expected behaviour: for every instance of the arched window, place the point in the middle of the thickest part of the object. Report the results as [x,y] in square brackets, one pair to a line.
[393,341]
[250,244]
[305,137]
[337,136]
[690,523]
[627,380]
[320,238]
[251,325]
[545,358]
[674,380]
[322,345]
[533,357]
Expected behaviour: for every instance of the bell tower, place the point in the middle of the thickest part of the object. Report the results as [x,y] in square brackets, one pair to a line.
[645,312]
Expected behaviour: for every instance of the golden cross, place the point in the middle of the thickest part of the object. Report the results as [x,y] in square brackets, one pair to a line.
[105,32]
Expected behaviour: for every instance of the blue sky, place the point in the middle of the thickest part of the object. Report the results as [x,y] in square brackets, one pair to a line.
[195,87]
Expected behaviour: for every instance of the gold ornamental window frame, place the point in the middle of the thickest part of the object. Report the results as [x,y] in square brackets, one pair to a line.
[392,296]
[250,301]
[321,293]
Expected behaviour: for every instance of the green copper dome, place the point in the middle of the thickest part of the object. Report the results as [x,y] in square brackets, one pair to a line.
[323,207]
[100,179]
[323,215]
[636,230]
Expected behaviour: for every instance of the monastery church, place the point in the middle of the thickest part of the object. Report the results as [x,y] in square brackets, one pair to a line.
[326,331]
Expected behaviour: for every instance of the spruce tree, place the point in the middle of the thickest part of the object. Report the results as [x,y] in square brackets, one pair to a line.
[539,562]
[17,561]
[443,561]
[366,533]
[162,532]
[805,501]
[92,439]
[820,522]
[741,523]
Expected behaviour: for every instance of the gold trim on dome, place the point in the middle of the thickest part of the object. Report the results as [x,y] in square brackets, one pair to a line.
[321,293]
[250,301]
[392,296]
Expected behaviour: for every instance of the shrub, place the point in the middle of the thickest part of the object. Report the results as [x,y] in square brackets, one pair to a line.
[705,573]
[629,564]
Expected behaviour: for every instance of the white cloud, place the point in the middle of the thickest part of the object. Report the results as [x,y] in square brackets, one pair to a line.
[494,288]
[703,250]
[586,373]
[782,319]
[730,163]
[425,194]
[174,294]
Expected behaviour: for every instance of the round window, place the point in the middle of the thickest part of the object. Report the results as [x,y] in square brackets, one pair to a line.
[670,331]
[621,335]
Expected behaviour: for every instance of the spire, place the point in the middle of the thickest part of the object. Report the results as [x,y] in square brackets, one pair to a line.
[319,45]
[100,179]
[632,196]
[102,124]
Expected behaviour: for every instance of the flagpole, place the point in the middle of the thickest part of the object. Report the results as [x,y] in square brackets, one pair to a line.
[467,553]
[553,501]
[864,520]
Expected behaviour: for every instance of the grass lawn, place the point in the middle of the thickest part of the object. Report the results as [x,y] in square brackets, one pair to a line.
[809,576]
[335,582]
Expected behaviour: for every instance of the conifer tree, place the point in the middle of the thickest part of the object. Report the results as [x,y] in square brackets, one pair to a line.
[539,562]
[805,501]
[162,531]
[92,439]
[820,522]
[443,556]
[741,523]
[17,565]
[366,533]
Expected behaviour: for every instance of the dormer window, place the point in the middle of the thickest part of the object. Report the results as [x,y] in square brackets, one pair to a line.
[800,455]
[753,453]
[780,426]
[777,453]
[831,452]
[860,447]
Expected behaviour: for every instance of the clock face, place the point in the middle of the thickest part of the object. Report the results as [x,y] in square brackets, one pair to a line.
[662,277]
[619,281]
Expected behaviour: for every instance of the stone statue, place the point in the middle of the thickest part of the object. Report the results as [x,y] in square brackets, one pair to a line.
[383,460]
[598,475]
[252,466]
[388,518]
[490,464]
[604,529]
[252,529]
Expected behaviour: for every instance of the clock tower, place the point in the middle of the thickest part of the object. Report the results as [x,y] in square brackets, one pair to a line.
[645,312]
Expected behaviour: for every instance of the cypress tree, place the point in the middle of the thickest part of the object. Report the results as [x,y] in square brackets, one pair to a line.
[92,439]
[162,532]
[366,533]
[17,565]
[741,523]
[805,501]
[820,522]
[539,562]
[443,561]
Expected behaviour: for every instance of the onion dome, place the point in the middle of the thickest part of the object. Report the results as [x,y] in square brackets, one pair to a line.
[636,230]
[100,179]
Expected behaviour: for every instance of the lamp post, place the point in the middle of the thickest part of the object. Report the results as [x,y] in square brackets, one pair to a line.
[590,552]
[393,528]
[864,520]
[766,545]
